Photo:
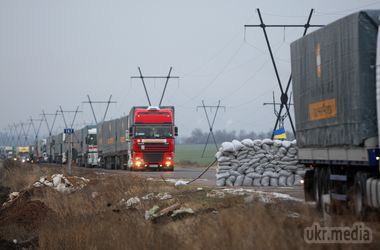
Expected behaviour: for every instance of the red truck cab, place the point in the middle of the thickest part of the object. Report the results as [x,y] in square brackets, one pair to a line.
[152,134]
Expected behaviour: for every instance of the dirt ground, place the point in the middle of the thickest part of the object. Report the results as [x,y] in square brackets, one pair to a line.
[93,213]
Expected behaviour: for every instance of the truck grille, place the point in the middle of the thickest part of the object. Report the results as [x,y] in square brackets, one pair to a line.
[153,157]
[156,147]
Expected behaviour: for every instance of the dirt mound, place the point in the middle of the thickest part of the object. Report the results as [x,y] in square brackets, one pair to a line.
[24,212]
[4,192]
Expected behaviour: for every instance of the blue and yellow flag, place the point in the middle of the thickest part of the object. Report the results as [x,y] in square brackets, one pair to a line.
[280,133]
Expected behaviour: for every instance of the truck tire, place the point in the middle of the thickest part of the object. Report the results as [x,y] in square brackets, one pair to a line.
[359,195]
[317,188]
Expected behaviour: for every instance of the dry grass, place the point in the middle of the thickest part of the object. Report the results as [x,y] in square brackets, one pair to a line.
[80,221]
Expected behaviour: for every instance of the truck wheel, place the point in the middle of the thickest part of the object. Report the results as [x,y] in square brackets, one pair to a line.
[317,187]
[360,206]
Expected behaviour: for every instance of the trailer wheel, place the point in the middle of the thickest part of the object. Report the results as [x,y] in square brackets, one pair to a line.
[317,187]
[360,206]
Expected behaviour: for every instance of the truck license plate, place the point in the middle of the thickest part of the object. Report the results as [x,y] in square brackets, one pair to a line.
[153,166]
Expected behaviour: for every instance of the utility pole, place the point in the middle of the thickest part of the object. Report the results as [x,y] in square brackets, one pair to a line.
[284,93]
[280,118]
[50,128]
[155,77]
[70,131]
[99,102]
[210,124]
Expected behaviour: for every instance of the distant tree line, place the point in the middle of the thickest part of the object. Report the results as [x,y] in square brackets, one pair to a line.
[199,137]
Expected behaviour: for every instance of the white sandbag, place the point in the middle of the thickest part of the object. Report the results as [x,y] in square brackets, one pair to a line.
[239,180]
[254,175]
[291,168]
[228,147]
[258,156]
[259,170]
[218,154]
[224,158]
[221,168]
[292,151]
[282,151]
[285,158]
[247,142]
[230,181]
[268,173]
[237,145]
[265,181]
[250,170]
[242,157]
[267,141]
[265,147]
[264,160]
[274,182]
[277,143]
[253,161]
[284,173]
[290,180]
[293,143]
[242,169]
[222,175]
[247,181]
[234,173]
[256,182]
[282,181]
[221,182]
[257,142]
[286,144]
[297,180]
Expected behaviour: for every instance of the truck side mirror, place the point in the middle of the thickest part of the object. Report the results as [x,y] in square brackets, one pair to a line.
[175,131]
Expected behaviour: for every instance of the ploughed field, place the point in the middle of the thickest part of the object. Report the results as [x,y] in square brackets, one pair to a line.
[45,208]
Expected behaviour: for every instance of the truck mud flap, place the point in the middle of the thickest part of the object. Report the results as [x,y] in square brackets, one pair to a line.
[308,185]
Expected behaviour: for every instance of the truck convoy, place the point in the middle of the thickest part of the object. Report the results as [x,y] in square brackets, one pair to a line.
[336,87]
[145,139]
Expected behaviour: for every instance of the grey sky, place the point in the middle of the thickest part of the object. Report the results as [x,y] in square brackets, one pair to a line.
[56,52]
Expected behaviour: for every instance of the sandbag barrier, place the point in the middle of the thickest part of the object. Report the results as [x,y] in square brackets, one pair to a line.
[258,163]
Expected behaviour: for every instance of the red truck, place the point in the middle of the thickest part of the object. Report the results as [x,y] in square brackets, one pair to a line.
[152,134]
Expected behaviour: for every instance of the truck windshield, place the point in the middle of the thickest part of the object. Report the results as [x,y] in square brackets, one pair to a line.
[153,131]
[91,139]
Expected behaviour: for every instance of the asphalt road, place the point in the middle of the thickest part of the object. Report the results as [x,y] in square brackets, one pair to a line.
[208,179]
[180,173]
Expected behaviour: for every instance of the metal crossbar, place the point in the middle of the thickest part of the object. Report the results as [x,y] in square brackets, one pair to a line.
[210,124]
[142,77]
[99,102]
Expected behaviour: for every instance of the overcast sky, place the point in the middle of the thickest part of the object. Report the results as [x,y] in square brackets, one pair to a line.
[56,52]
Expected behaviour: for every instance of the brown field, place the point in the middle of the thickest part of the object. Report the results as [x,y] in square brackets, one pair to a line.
[90,218]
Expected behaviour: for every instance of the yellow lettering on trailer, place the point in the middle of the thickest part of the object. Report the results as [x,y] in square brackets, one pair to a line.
[110,140]
[322,110]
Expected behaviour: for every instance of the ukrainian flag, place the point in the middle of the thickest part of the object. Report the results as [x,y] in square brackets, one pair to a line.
[280,133]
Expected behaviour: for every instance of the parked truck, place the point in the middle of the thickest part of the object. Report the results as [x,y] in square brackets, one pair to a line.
[23,153]
[336,87]
[113,144]
[85,146]
[151,134]
[39,152]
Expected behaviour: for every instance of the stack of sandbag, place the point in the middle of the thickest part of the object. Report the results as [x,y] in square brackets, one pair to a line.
[258,163]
